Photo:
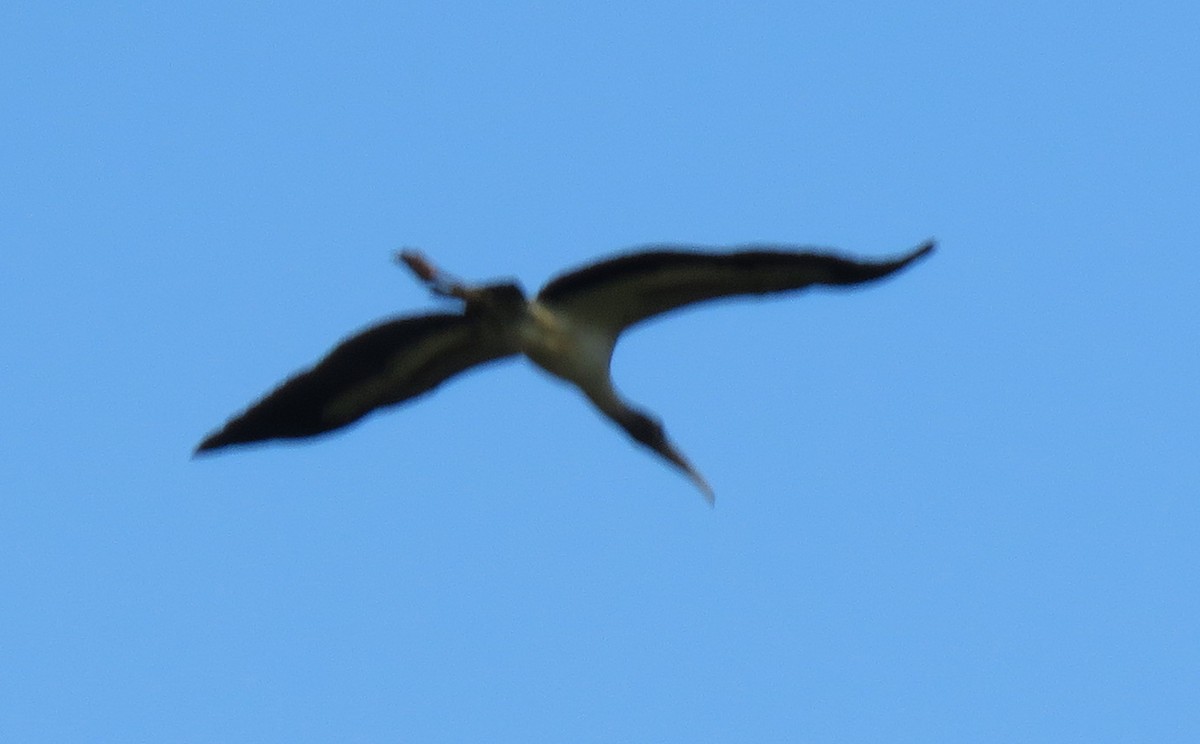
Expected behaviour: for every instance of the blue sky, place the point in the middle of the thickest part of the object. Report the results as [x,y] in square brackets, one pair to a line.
[957,506]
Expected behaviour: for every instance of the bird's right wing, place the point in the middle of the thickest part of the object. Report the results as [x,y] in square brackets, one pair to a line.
[381,366]
[621,291]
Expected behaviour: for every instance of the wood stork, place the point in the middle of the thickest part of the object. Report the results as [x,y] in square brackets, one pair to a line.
[569,329]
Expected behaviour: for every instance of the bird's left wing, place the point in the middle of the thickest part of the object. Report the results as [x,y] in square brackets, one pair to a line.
[381,366]
[621,291]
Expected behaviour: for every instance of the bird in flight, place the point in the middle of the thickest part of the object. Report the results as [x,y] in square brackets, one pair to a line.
[569,329]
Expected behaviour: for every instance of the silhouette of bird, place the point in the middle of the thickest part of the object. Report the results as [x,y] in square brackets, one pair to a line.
[569,329]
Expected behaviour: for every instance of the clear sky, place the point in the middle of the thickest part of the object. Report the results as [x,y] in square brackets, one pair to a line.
[960,505]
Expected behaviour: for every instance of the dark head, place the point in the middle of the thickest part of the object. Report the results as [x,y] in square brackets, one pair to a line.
[649,432]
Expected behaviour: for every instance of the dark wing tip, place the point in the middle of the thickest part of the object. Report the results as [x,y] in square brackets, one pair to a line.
[241,430]
[293,410]
[895,264]
[358,368]
[921,250]
[214,441]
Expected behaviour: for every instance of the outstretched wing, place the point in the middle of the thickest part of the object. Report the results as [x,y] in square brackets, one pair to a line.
[382,366]
[619,292]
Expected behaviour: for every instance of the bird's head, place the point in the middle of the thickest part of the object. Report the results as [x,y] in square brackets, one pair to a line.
[649,432]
